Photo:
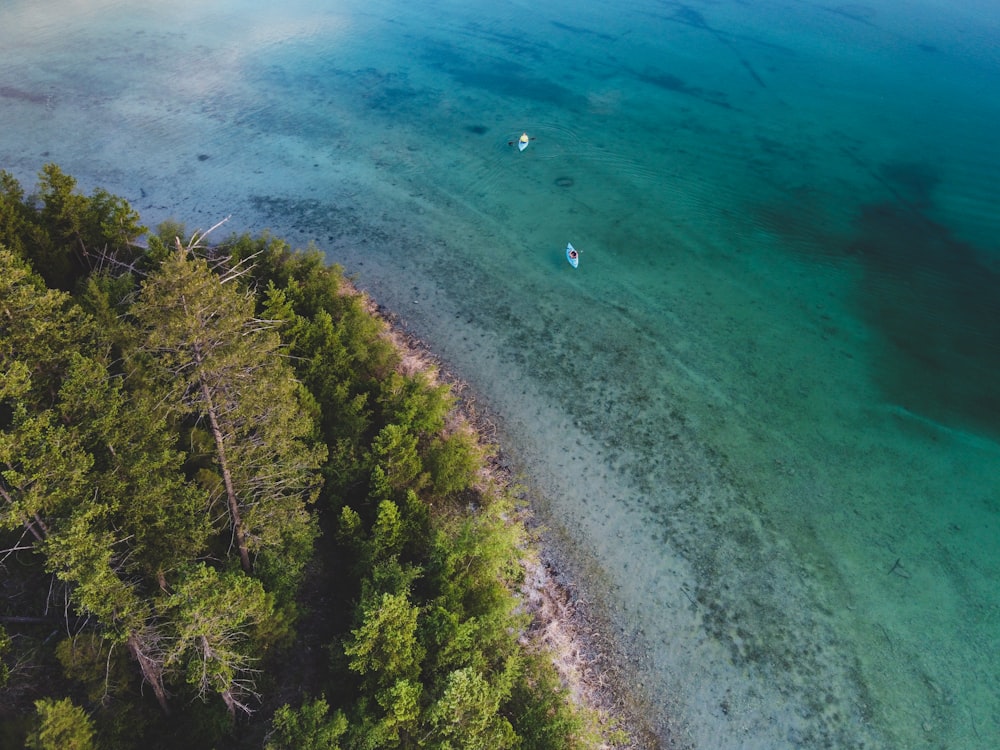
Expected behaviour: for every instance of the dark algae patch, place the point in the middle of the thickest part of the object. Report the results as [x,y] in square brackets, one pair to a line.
[937,305]
[935,302]
[931,296]
[12,92]
[670,82]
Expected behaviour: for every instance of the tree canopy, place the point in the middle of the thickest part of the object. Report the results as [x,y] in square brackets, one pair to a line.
[250,527]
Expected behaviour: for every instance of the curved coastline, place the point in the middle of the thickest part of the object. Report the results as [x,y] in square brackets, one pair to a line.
[570,614]
[730,515]
[715,628]
[560,625]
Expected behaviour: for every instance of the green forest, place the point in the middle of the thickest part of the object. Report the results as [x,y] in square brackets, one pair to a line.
[228,519]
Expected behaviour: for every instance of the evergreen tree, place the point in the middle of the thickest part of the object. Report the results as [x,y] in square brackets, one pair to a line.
[86,554]
[133,480]
[88,473]
[467,715]
[311,727]
[222,367]
[385,647]
[78,234]
[215,621]
[61,726]
[39,327]
[15,214]
[138,471]
[43,468]
[385,650]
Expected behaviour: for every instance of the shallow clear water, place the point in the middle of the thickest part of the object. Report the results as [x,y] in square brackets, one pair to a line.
[764,409]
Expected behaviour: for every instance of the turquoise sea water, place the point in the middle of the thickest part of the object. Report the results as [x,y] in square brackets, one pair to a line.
[763,413]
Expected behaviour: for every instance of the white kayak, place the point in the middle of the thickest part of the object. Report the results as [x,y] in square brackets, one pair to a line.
[572,255]
[522,142]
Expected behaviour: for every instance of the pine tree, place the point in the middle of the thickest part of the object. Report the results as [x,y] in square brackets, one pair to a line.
[84,555]
[43,468]
[89,472]
[222,368]
[61,726]
[138,470]
[76,234]
[214,621]
[468,714]
[39,327]
[309,728]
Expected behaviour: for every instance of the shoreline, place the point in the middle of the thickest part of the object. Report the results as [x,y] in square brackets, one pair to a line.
[565,621]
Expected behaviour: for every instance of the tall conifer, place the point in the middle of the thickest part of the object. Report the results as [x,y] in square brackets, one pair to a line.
[224,372]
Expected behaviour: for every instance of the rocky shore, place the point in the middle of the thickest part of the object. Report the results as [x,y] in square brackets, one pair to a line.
[564,622]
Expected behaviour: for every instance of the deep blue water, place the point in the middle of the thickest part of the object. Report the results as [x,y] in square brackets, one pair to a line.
[763,413]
